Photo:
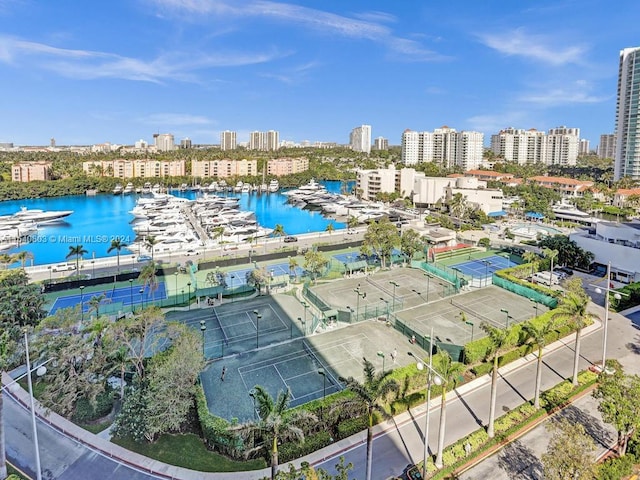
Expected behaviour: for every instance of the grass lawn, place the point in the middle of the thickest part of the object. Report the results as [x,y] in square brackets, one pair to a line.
[95,428]
[188,451]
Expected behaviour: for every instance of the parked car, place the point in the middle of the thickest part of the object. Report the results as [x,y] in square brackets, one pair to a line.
[290,239]
[565,270]
[144,258]
[63,267]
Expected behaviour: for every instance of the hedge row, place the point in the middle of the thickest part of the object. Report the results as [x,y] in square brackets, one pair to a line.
[524,271]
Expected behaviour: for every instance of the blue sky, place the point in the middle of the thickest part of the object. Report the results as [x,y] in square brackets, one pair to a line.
[116,71]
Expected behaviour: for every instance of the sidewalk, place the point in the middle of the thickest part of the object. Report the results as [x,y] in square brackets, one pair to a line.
[162,470]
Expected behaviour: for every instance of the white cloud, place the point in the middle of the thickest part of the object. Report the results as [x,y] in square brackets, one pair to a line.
[85,64]
[577,92]
[541,48]
[493,123]
[368,28]
[292,75]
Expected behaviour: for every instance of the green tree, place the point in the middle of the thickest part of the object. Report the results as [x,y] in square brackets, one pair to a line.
[458,206]
[551,255]
[148,277]
[410,243]
[257,278]
[293,265]
[619,396]
[21,303]
[23,256]
[569,454]
[370,397]
[499,343]
[150,242]
[315,263]
[330,228]
[352,222]
[532,258]
[536,334]
[569,253]
[276,422]
[381,237]
[572,310]
[117,245]
[450,373]
[78,251]
[95,301]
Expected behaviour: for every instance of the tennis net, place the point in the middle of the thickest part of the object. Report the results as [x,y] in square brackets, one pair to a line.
[377,285]
[468,309]
[217,319]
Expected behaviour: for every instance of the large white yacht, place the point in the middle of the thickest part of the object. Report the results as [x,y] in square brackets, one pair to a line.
[274,186]
[41,216]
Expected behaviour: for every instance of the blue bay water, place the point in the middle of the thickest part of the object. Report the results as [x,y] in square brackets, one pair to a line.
[96,221]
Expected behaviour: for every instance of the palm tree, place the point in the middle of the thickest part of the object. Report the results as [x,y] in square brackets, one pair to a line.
[330,228]
[217,233]
[77,251]
[6,260]
[449,372]
[95,301]
[573,311]
[148,277]
[151,242]
[119,358]
[352,222]
[537,335]
[118,245]
[275,422]
[550,254]
[293,264]
[23,256]
[458,206]
[499,342]
[532,258]
[278,231]
[370,396]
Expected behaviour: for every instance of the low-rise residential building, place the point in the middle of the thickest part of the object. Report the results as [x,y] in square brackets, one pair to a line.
[223,168]
[369,183]
[618,243]
[30,171]
[568,187]
[279,167]
[626,197]
[138,168]
[489,175]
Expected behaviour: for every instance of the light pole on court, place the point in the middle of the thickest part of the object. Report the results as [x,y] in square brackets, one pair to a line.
[360,295]
[305,305]
[303,323]
[258,317]
[189,296]
[176,276]
[142,298]
[486,271]
[232,276]
[131,293]
[50,274]
[428,283]
[252,394]
[471,324]
[509,317]
[381,355]
[324,390]
[387,309]
[535,307]
[81,304]
[203,329]
[395,285]
[351,310]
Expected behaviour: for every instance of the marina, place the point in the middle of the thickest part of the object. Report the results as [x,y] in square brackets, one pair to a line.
[94,221]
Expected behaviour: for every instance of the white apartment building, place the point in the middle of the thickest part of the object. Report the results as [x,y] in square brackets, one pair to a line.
[360,139]
[371,182]
[444,146]
[265,141]
[142,168]
[164,142]
[607,146]
[627,159]
[559,147]
[228,140]
[585,147]
[381,143]
[618,243]
[279,167]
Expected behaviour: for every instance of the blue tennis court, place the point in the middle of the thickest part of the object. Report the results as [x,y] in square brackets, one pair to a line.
[126,295]
[238,278]
[483,267]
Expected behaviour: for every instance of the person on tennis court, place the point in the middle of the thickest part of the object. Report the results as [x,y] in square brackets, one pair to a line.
[224,371]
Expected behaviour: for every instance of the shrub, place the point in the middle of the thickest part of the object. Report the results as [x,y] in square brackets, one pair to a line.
[215,430]
[86,412]
[351,427]
[616,468]
[290,451]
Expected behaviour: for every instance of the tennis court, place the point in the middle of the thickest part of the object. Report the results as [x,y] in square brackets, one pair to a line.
[297,365]
[483,267]
[130,295]
[237,278]
[457,320]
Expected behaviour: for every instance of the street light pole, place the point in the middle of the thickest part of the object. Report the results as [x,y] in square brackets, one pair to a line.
[189,296]
[176,275]
[304,326]
[324,390]
[505,311]
[535,307]
[33,411]
[258,317]
[471,324]
[252,394]
[617,296]
[131,293]
[432,375]
[387,305]
[305,305]
[381,355]
[360,295]
[428,282]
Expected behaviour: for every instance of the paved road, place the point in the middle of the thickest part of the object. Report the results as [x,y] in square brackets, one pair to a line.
[393,449]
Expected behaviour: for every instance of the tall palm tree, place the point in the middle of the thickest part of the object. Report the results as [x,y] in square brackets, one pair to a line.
[458,206]
[275,422]
[293,264]
[278,231]
[330,228]
[532,258]
[370,397]
[95,301]
[78,251]
[352,222]
[573,311]
[150,242]
[499,342]
[6,259]
[118,245]
[550,254]
[537,335]
[148,277]
[449,372]
[217,233]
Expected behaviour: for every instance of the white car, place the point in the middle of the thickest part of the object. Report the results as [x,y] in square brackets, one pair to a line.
[63,267]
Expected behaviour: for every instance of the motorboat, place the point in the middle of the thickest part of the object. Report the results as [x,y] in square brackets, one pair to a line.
[274,186]
[128,189]
[238,187]
[117,190]
[566,211]
[246,188]
[40,217]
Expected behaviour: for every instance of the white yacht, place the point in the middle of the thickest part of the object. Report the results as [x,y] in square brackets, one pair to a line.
[246,188]
[41,216]
[238,187]
[117,190]
[274,186]
[566,211]
[129,189]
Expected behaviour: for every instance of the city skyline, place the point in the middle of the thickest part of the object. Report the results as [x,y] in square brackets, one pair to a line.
[197,68]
